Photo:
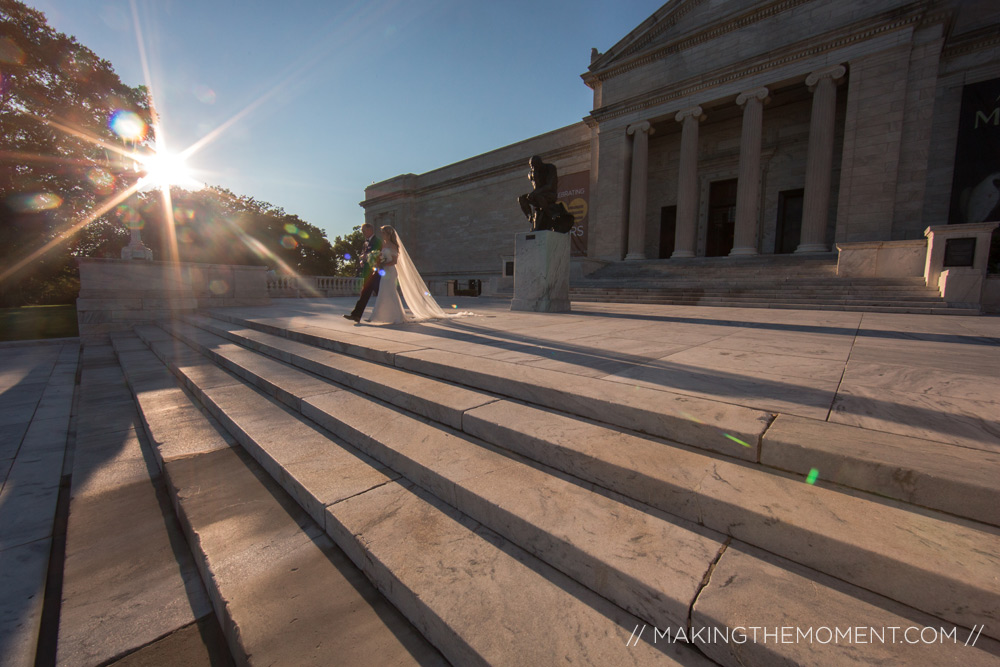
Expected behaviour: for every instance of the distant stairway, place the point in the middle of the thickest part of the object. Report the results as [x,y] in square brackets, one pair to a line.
[520,516]
[773,281]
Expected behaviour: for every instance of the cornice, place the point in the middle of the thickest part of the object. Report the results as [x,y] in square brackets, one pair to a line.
[736,23]
[477,176]
[802,50]
[981,39]
[912,11]
[659,28]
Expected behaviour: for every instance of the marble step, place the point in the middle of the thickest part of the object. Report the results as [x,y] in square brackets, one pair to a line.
[572,520]
[679,417]
[540,511]
[885,551]
[277,581]
[689,283]
[922,310]
[929,474]
[476,595]
[790,302]
[799,293]
[919,302]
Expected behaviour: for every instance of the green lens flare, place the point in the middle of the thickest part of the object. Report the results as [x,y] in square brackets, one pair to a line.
[735,439]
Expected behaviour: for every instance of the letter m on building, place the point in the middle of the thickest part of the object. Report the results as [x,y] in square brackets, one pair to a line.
[994,117]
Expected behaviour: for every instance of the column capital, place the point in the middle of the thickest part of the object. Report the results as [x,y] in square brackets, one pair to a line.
[834,72]
[755,94]
[642,126]
[693,112]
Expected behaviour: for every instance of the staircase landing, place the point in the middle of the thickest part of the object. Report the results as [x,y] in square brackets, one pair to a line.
[767,281]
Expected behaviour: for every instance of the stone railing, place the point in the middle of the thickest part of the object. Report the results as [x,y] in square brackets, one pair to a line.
[312,286]
[117,294]
[958,270]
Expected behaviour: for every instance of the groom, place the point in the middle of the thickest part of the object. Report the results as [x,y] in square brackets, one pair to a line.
[369,271]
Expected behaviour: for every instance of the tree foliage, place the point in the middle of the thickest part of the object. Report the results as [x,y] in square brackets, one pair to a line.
[57,99]
[347,250]
[49,177]
[215,226]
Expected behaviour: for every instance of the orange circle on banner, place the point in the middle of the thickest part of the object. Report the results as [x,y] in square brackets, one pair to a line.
[578,207]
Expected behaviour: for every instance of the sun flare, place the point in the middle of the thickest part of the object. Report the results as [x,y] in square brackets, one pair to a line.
[165,169]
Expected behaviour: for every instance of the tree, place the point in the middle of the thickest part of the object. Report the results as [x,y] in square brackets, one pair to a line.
[216,226]
[56,95]
[347,249]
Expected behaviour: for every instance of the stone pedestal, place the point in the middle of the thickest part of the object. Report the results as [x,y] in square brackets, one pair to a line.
[541,272]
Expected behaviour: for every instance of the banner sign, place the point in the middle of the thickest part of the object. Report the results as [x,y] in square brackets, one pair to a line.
[975,187]
[574,193]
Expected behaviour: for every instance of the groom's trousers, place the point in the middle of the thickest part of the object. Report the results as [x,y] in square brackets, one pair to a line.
[370,287]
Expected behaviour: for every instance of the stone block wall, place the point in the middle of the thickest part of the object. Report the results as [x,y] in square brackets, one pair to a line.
[116,295]
[458,222]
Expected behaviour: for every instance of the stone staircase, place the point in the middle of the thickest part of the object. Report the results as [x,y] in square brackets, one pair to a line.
[774,281]
[515,515]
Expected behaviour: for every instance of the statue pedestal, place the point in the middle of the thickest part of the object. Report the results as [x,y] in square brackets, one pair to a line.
[541,272]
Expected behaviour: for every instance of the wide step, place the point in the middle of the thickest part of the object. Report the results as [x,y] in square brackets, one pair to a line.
[837,545]
[401,535]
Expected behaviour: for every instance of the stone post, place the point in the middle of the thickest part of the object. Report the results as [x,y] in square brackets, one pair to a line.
[819,161]
[748,188]
[637,195]
[687,184]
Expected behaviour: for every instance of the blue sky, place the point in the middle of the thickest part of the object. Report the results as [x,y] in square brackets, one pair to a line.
[331,96]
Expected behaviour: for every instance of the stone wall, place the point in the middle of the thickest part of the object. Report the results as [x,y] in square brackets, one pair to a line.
[116,294]
[458,222]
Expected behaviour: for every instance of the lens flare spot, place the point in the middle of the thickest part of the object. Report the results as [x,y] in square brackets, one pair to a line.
[688,415]
[812,476]
[303,234]
[185,236]
[454,306]
[33,203]
[204,94]
[218,287]
[130,217]
[347,256]
[102,180]
[381,272]
[128,125]
[291,229]
[735,439]
[289,242]
[10,52]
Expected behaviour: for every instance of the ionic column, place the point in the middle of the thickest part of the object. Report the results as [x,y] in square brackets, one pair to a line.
[748,187]
[819,161]
[637,191]
[687,184]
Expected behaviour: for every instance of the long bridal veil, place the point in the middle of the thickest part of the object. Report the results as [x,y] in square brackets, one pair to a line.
[418,298]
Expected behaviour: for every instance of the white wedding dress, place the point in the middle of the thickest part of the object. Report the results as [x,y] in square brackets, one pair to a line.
[389,307]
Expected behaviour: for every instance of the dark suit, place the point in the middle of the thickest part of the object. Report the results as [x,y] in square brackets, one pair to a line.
[369,274]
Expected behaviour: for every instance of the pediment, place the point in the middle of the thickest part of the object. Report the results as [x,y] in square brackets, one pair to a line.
[674,22]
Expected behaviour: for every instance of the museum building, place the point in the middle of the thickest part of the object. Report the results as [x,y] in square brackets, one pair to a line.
[741,128]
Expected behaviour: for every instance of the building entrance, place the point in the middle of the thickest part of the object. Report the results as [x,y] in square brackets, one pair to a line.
[668,230]
[721,218]
[789,227]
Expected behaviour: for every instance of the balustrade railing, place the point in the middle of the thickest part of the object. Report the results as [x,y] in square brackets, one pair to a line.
[312,286]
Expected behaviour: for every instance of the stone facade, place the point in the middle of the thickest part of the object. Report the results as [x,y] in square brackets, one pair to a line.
[736,127]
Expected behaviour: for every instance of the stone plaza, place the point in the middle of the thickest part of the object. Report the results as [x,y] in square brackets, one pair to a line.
[276,484]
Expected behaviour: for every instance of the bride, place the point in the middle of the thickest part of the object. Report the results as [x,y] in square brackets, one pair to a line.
[397,265]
